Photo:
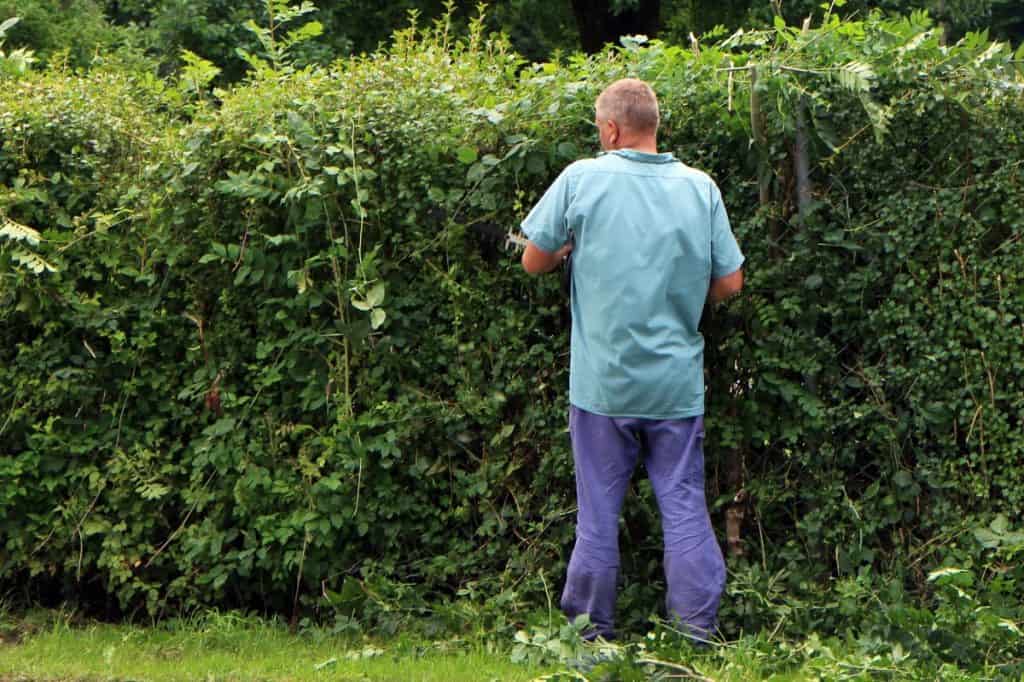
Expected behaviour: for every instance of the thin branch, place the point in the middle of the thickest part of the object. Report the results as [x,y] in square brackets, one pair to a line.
[181,527]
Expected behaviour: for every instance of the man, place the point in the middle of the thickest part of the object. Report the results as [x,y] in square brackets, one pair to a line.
[651,242]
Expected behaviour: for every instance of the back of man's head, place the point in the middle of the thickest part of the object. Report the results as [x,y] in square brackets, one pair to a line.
[632,104]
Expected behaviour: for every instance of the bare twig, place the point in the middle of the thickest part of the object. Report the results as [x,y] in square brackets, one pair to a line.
[298,579]
[10,416]
[181,527]
[78,529]
[687,673]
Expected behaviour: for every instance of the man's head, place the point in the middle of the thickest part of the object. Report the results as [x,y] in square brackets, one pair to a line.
[626,115]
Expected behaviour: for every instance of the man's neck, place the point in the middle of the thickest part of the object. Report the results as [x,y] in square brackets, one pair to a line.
[645,146]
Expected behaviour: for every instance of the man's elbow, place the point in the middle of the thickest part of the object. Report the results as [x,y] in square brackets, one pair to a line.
[537,262]
[734,283]
[726,287]
[530,265]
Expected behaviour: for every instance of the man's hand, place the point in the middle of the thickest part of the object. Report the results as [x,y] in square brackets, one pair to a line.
[537,261]
[725,287]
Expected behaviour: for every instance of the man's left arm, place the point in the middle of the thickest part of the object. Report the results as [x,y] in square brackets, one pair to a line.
[726,257]
[725,287]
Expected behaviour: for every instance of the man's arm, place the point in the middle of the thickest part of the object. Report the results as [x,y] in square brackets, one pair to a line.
[723,287]
[537,261]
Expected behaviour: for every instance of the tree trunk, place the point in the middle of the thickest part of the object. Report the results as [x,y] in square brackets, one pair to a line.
[735,459]
[600,25]
[757,126]
[943,22]
[801,159]
[735,511]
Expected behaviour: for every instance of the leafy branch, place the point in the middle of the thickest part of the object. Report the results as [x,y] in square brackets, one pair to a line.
[17,236]
[278,48]
[16,62]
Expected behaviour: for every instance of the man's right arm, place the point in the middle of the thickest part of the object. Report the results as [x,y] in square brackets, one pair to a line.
[725,287]
[537,261]
[726,257]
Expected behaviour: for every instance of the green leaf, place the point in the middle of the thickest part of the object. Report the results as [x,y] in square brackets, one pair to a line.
[153,491]
[567,150]
[307,31]
[94,527]
[197,73]
[856,76]
[952,576]
[466,155]
[300,279]
[221,427]
[504,433]
[903,479]
[1010,626]
[536,164]
[360,304]
[987,538]
[278,239]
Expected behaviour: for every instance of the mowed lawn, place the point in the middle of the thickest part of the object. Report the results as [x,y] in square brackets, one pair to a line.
[241,651]
[225,648]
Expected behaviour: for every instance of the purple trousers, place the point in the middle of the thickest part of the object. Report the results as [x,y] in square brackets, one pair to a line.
[605,451]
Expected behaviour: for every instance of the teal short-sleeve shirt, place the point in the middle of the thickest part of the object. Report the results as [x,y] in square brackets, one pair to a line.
[650,233]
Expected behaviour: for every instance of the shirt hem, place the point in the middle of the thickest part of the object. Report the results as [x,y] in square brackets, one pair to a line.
[540,241]
[716,273]
[684,414]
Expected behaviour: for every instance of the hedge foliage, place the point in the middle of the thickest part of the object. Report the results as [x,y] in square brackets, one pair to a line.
[270,350]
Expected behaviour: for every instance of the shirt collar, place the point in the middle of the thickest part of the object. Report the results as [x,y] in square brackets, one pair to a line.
[643,157]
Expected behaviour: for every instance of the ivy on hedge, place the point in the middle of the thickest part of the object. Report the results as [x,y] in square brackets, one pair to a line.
[281,346]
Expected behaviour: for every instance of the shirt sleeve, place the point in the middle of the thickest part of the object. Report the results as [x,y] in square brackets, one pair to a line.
[726,257]
[547,224]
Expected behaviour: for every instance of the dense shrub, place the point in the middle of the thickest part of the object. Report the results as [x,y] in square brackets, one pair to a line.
[72,32]
[283,345]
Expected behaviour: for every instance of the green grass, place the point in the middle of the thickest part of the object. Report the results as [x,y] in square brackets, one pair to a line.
[54,646]
[234,648]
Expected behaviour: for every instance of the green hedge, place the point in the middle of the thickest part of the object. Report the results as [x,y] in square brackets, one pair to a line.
[283,346]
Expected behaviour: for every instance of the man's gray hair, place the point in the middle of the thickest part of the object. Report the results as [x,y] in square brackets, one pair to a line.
[631,103]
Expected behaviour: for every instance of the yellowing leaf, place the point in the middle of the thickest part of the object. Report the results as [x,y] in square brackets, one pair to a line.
[33,262]
[377,318]
[943,572]
[375,296]
[19,233]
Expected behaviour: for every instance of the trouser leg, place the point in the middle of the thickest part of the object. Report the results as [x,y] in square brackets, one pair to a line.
[694,568]
[605,452]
